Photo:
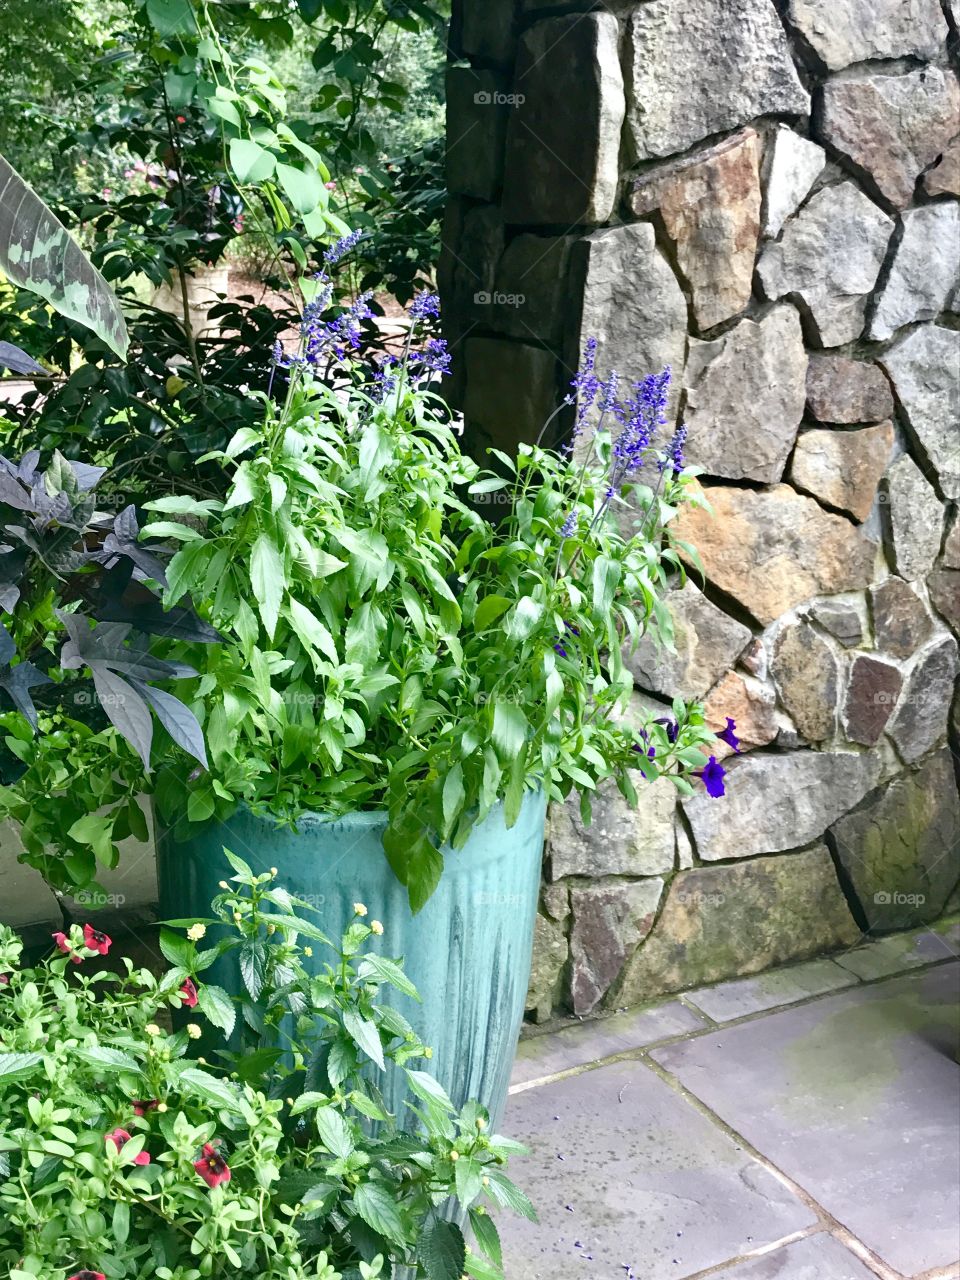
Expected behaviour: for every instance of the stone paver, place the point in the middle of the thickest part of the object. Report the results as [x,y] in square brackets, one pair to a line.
[729,1000]
[578,1046]
[902,951]
[856,1098]
[625,1173]
[819,1257]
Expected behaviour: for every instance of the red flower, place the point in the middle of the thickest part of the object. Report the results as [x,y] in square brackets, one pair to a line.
[212,1168]
[94,940]
[188,994]
[63,942]
[148,1104]
[4,979]
[181,119]
[88,1275]
[120,1138]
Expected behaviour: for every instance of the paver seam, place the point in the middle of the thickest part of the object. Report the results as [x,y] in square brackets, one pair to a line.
[625,1055]
[827,1221]
[724,1268]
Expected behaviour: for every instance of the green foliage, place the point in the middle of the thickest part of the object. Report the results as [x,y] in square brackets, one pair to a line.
[388,648]
[38,254]
[323,1183]
[78,695]
[137,114]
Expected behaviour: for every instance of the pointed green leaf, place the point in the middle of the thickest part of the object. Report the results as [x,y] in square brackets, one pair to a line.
[38,253]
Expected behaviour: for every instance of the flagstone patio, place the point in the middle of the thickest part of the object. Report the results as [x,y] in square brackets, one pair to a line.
[801,1125]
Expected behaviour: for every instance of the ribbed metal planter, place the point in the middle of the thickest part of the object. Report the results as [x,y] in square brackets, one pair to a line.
[468,951]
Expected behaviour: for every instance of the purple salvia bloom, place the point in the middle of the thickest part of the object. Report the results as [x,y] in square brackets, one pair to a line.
[433,359]
[385,378]
[675,458]
[569,526]
[425,305]
[586,386]
[644,413]
[346,244]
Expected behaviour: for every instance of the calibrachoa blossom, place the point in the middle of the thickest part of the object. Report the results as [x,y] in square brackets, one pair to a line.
[712,776]
[120,1138]
[729,735]
[212,1168]
[670,728]
[141,1108]
[94,940]
[63,942]
[188,994]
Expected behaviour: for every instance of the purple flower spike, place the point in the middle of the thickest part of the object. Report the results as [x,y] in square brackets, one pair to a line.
[424,305]
[712,776]
[346,244]
[729,735]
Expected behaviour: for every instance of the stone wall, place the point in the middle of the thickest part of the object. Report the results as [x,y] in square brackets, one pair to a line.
[764,196]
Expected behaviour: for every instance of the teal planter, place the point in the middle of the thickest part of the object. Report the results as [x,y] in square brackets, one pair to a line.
[468,951]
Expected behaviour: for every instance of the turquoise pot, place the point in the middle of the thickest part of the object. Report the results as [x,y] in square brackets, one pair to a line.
[468,951]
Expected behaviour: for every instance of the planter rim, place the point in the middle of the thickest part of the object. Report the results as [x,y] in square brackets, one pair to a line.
[355,817]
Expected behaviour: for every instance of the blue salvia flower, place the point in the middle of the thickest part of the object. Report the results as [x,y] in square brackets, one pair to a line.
[433,359]
[675,458]
[425,305]
[644,413]
[586,387]
[346,244]
[569,526]
[385,378]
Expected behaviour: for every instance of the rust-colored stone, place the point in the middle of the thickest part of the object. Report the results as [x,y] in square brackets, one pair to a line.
[871,697]
[847,391]
[773,549]
[710,205]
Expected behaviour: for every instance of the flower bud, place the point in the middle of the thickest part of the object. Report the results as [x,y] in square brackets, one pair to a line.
[193,1031]
[376,927]
[359,909]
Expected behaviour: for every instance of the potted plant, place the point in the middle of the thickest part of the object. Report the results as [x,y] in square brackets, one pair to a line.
[403,685]
[123,1154]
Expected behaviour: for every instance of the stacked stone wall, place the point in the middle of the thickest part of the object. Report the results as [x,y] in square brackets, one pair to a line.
[765,197]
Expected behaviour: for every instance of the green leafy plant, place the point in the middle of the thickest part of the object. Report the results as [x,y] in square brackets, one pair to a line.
[38,254]
[79,668]
[122,1156]
[388,648]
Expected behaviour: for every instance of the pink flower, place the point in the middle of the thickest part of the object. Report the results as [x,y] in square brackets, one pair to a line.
[140,1108]
[63,942]
[87,1275]
[188,994]
[120,1138]
[94,940]
[212,1168]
